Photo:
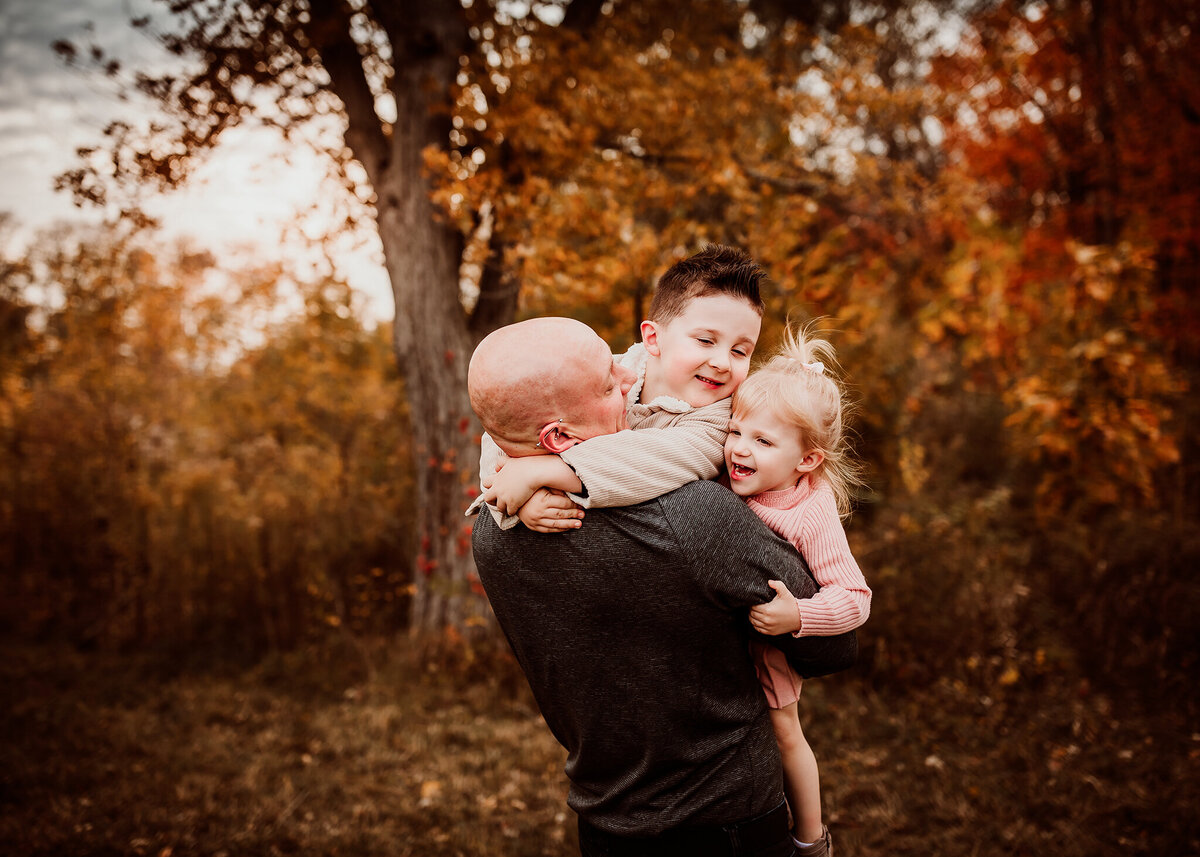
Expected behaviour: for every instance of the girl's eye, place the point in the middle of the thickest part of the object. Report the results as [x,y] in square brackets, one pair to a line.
[739,352]
[735,433]
[764,441]
[704,341]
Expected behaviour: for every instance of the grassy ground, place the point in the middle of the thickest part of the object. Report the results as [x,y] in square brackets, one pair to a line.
[328,753]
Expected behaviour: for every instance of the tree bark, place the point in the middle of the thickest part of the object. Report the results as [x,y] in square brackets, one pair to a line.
[422,252]
[430,333]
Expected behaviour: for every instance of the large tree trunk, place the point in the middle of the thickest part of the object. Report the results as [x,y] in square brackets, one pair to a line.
[431,337]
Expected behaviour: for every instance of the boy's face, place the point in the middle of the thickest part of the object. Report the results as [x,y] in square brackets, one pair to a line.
[765,453]
[703,354]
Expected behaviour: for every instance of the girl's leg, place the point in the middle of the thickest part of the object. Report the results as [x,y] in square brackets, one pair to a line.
[801,781]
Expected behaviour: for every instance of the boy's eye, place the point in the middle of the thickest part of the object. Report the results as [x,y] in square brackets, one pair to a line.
[764,441]
[739,352]
[704,341]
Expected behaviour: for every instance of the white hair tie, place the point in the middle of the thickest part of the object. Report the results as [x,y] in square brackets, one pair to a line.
[817,367]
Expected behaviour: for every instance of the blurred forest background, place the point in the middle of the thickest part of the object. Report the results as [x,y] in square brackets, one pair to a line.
[237,603]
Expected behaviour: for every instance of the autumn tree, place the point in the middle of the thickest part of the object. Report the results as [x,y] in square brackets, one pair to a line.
[166,482]
[380,78]
[385,83]
[1073,294]
[1006,267]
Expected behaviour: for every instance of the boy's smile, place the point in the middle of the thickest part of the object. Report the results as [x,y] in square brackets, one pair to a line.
[710,382]
[703,354]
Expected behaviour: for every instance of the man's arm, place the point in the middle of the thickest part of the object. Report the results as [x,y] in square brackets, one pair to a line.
[813,656]
[736,556]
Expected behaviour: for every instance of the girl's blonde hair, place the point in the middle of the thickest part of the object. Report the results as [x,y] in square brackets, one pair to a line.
[797,384]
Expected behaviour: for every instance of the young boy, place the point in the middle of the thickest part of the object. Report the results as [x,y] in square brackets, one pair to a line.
[703,324]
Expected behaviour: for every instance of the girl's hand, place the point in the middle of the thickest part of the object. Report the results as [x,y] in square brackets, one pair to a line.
[780,615]
[550,512]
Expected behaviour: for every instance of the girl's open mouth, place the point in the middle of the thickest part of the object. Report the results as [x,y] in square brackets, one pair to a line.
[739,471]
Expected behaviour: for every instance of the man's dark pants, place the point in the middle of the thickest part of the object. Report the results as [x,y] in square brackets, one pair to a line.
[765,836]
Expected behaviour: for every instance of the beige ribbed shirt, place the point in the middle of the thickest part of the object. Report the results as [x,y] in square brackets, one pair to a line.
[667,445]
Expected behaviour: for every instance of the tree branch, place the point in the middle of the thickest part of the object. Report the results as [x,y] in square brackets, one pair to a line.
[581,14]
[497,303]
[330,35]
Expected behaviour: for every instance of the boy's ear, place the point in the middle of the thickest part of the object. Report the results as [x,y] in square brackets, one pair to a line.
[810,462]
[650,338]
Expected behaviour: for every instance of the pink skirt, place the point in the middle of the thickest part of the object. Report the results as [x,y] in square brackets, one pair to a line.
[779,681]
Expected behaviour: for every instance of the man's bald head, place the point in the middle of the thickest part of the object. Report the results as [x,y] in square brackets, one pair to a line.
[527,375]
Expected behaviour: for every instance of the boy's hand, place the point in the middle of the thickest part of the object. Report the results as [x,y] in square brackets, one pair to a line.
[516,481]
[550,512]
[511,487]
[780,615]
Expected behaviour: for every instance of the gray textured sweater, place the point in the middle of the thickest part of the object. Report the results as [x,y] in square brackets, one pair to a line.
[633,634]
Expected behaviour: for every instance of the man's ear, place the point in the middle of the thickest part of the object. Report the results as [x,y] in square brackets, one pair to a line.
[650,338]
[554,439]
[810,462]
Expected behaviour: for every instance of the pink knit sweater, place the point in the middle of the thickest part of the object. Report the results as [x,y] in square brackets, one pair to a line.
[807,517]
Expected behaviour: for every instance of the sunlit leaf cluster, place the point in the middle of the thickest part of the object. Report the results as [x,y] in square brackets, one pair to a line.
[182,458]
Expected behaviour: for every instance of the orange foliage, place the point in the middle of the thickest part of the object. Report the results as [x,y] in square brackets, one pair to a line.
[1000,234]
[1002,259]
[1066,121]
[165,484]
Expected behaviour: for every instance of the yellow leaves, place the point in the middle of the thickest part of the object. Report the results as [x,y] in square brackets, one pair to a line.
[960,276]
[1009,677]
[1100,288]
[213,486]
[431,791]
[931,329]
[914,472]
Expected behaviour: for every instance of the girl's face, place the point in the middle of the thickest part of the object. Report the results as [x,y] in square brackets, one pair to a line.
[764,453]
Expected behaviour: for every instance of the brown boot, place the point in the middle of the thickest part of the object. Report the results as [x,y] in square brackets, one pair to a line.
[823,847]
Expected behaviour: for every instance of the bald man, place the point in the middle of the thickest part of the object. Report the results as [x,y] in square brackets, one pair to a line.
[546,383]
[632,629]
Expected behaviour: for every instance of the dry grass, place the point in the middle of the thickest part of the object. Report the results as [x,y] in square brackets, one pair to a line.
[106,756]
[315,754]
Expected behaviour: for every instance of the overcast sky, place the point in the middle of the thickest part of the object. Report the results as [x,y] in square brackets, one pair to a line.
[48,110]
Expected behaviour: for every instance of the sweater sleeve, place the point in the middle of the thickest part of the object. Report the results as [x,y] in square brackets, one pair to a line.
[489,456]
[844,600]
[634,466]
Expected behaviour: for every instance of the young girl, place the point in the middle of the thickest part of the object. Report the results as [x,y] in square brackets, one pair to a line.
[787,455]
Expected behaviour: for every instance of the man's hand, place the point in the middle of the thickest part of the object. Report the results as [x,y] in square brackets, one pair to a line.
[550,512]
[780,615]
